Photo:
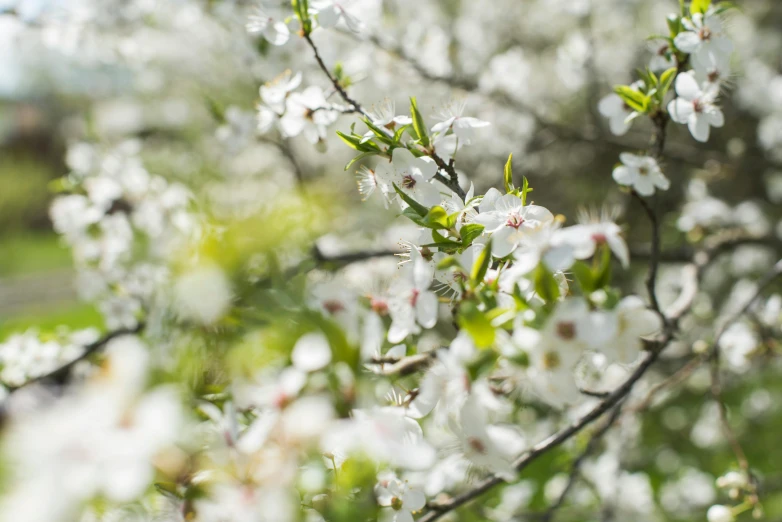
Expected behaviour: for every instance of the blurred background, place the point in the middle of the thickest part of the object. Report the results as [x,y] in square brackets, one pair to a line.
[181,78]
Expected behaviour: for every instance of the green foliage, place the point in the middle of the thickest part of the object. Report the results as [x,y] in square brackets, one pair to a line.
[474,321]
[508,178]
[636,100]
[470,232]
[699,6]
[301,9]
[422,134]
[545,284]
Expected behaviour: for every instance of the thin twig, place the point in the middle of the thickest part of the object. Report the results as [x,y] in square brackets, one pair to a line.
[61,374]
[575,467]
[452,182]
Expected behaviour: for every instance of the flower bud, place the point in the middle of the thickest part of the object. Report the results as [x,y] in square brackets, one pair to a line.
[719,513]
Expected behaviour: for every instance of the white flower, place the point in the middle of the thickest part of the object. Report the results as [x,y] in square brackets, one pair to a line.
[711,69]
[619,114]
[696,107]
[479,444]
[412,303]
[547,245]
[703,34]
[203,294]
[411,175]
[555,350]
[329,12]
[307,112]
[384,115]
[508,221]
[400,497]
[311,352]
[642,173]
[273,30]
[463,127]
[446,386]
[629,322]
[719,513]
[586,237]
[273,93]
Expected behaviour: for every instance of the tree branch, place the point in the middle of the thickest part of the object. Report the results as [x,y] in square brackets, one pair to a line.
[61,374]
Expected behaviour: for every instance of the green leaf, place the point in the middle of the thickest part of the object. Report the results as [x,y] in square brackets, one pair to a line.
[436,218]
[359,158]
[399,132]
[447,262]
[481,265]
[545,284]
[674,25]
[584,276]
[525,189]
[666,80]
[475,323]
[354,142]
[603,272]
[381,134]
[418,123]
[638,101]
[302,10]
[413,216]
[469,232]
[699,6]
[509,175]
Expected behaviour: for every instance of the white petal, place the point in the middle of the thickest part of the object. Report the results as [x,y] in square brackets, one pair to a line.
[680,110]
[559,258]
[715,117]
[631,160]
[402,159]
[426,166]
[311,352]
[277,33]
[403,516]
[699,128]
[489,200]
[502,242]
[624,175]
[687,41]
[414,500]
[328,16]
[687,87]
[644,186]
[426,308]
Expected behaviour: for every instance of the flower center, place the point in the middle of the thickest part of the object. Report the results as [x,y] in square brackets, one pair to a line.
[643,171]
[663,50]
[551,360]
[713,76]
[566,330]
[515,220]
[704,34]
[477,445]
[697,105]
[408,181]
[599,238]
[379,306]
[396,503]
[333,306]
[308,114]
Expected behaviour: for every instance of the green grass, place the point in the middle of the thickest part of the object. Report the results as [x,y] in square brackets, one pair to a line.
[30,252]
[73,315]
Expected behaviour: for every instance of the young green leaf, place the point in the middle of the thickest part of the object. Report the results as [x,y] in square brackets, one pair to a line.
[638,101]
[481,265]
[381,134]
[584,276]
[699,6]
[545,284]
[509,175]
[666,80]
[418,123]
[525,189]
[476,324]
[469,232]
[359,158]
[436,218]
